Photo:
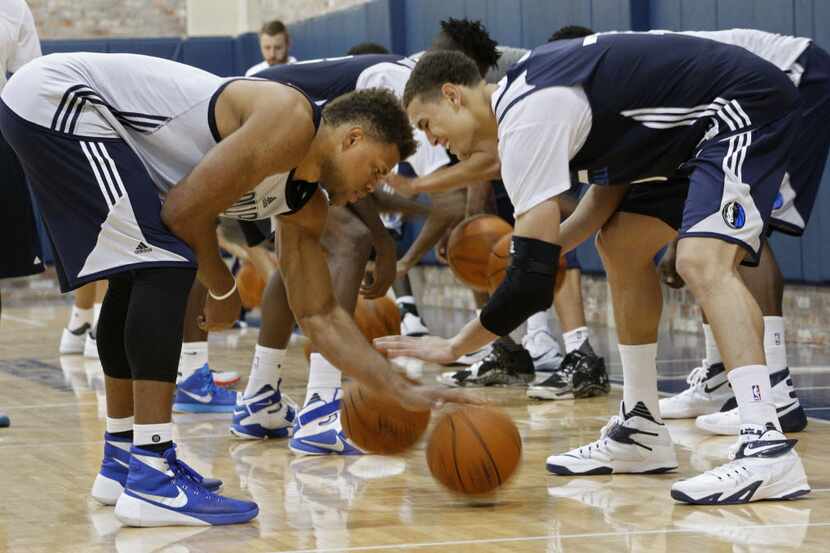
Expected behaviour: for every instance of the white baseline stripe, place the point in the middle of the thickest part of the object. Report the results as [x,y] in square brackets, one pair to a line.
[548,537]
[101,184]
[31,322]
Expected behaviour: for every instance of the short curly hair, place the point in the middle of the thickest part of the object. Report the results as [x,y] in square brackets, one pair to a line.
[570,31]
[434,69]
[470,38]
[364,48]
[380,114]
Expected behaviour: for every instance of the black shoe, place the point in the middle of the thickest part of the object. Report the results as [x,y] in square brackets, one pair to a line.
[582,374]
[506,365]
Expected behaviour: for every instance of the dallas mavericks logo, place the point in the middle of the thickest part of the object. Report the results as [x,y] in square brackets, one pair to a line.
[734,215]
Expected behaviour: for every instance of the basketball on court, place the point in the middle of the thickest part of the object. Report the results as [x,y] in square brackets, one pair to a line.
[251,285]
[469,246]
[377,423]
[500,258]
[474,450]
[375,318]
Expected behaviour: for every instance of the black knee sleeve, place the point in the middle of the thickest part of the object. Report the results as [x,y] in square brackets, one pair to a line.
[153,329]
[110,331]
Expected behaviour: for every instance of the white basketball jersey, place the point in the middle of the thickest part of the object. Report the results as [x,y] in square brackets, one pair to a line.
[162,109]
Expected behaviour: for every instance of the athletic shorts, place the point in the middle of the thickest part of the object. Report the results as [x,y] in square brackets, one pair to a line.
[101,210]
[19,239]
[794,203]
[661,200]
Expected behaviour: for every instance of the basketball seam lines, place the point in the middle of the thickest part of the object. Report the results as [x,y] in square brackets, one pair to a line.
[455,456]
[483,445]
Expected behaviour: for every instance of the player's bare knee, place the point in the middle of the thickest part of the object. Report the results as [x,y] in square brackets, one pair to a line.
[612,244]
[699,270]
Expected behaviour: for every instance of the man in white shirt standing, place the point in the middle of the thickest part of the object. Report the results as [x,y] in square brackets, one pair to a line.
[274,42]
[18,44]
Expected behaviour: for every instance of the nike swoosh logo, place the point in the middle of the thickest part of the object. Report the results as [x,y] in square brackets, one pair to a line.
[201,399]
[189,353]
[779,409]
[120,462]
[709,390]
[336,446]
[176,502]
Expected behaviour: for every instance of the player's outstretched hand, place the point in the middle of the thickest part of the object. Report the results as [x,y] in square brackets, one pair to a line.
[427,348]
[421,397]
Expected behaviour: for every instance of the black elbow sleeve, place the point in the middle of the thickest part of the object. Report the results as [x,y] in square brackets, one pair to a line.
[527,288]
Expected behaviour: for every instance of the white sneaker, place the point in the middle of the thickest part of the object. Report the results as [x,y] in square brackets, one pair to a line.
[791,415]
[708,392]
[765,466]
[72,341]
[91,346]
[631,443]
[413,325]
[544,351]
[317,429]
[266,414]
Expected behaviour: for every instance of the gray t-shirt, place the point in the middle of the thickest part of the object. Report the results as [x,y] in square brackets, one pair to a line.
[509,56]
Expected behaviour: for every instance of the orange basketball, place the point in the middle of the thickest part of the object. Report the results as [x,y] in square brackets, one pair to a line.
[377,423]
[469,246]
[374,318]
[474,450]
[500,259]
[250,284]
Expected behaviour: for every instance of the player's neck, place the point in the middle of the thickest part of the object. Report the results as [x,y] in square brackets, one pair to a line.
[309,168]
[488,125]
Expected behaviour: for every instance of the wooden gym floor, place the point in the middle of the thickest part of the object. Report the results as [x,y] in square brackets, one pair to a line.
[50,455]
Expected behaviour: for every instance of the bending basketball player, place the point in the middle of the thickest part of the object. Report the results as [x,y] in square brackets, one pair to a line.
[723,116]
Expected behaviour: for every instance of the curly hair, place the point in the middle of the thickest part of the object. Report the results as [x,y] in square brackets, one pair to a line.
[570,31]
[470,38]
[436,68]
[380,114]
[367,48]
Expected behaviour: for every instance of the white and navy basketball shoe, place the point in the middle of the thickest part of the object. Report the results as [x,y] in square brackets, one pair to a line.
[473,357]
[631,443]
[505,365]
[198,393]
[73,341]
[708,392]
[544,351]
[161,491]
[266,414]
[765,466]
[318,431]
[581,374]
[91,345]
[413,325]
[111,479]
[791,415]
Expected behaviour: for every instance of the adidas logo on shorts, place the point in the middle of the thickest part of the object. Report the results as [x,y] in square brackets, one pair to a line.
[143,248]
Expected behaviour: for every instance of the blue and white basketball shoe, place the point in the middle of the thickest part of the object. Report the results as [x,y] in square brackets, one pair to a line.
[266,414]
[111,479]
[198,393]
[161,491]
[317,429]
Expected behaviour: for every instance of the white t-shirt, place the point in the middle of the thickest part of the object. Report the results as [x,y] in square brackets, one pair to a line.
[18,37]
[538,136]
[264,65]
[780,50]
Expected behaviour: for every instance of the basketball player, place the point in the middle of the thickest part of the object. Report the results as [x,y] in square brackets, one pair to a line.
[22,255]
[261,411]
[125,131]
[720,114]
[274,43]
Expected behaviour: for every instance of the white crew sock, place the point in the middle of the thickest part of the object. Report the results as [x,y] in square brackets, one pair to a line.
[323,378]
[152,434]
[639,364]
[405,299]
[752,390]
[96,310]
[712,351]
[120,425]
[537,321]
[266,369]
[775,346]
[575,338]
[79,317]
[194,355]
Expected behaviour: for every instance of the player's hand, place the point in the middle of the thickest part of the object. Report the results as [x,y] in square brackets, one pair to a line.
[668,267]
[220,314]
[441,247]
[426,348]
[402,185]
[417,397]
[383,271]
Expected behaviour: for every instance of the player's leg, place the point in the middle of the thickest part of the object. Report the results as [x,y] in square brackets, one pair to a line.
[637,302]
[90,341]
[723,222]
[80,320]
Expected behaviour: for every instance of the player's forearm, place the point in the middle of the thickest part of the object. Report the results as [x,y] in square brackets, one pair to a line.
[447,211]
[471,338]
[595,208]
[477,168]
[367,211]
[200,235]
[477,196]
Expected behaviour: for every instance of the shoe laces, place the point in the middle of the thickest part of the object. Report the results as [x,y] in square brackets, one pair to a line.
[603,435]
[181,469]
[696,379]
[733,470]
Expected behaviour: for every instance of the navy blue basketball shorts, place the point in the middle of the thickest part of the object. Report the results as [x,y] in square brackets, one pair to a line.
[19,239]
[100,207]
[794,203]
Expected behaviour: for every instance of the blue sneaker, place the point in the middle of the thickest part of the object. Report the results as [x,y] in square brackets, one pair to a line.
[109,484]
[266,414]
[161,491]
[317,429]
[198,393]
